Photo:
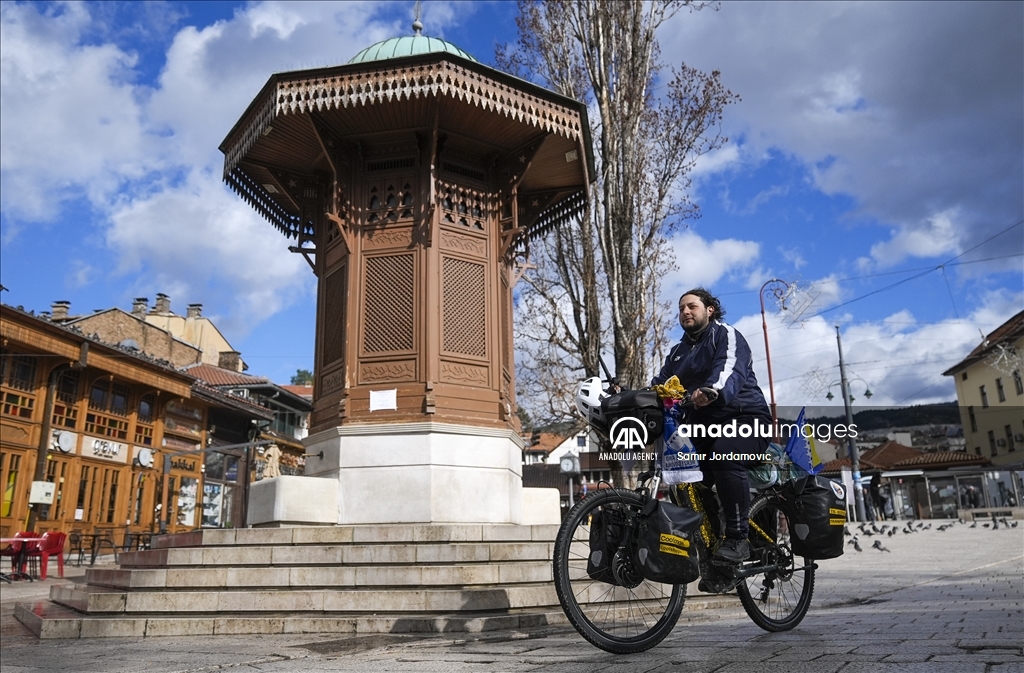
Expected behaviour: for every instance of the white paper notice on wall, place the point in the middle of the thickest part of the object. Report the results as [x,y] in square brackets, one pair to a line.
[383,399]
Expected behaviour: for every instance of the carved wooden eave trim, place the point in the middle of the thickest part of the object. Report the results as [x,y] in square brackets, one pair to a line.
[386,84]
[433,79]
[260,123]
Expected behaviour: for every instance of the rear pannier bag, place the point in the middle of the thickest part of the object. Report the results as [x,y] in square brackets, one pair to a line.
[605,536]
[819,514]
[665,550]
[643,405]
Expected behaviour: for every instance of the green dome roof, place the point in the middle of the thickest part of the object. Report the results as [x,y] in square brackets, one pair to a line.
[408,45]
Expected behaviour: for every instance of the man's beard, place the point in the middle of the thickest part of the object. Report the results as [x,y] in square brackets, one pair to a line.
[696,328]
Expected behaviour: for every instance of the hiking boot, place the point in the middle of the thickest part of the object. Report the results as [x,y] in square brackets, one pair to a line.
[733,550]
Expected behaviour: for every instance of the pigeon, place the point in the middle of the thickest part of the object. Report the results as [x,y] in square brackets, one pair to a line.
[961,521]
[853,540]
[928,527]
[868,533]
[973,525]
[878,546]
[846,530]
[874,529]
[1013,524]
[892,531]
[856,545]
[985,525]
[995,524]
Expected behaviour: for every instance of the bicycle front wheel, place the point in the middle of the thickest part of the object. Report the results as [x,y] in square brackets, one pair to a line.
[621,614]
[776,600]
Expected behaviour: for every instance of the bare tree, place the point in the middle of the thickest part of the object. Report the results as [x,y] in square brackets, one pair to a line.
[598,280]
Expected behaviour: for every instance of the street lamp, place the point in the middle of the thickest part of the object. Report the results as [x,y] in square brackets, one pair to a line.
[780,290]
[852,443]
[867,391]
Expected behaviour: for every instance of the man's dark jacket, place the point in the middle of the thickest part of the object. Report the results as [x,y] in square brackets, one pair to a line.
[718,358]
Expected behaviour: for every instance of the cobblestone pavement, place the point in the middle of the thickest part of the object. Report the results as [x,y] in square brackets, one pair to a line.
[937,601]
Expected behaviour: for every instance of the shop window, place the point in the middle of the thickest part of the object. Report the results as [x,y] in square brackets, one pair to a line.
[65,403]
[19,371]
[85,504]
[1000,392]
[108,499]
[16,404]
[187,502]
[144,421]
[10,483]
[140,488]
[108,410]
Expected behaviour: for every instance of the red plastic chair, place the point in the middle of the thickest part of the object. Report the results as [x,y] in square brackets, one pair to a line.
[52,544]
[13,549]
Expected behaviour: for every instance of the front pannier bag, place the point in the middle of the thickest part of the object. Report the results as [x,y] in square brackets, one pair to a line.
[819,514]
[605,537]
[665,551]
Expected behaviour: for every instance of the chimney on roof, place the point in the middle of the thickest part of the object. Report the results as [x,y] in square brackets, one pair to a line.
[163,304]
[140,306]
[59,310]
[194,311]
[231,360]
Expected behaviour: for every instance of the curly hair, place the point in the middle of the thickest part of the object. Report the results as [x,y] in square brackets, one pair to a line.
[710,301]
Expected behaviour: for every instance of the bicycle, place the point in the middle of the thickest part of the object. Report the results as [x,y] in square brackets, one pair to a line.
[630,613]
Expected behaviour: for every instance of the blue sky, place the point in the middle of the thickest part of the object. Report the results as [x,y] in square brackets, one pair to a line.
[874,142]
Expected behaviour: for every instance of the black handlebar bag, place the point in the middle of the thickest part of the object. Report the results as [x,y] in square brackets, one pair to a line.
[819,514]
[643,405]
[665,551]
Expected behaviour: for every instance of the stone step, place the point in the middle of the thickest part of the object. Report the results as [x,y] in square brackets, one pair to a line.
[91,599]
[48,621]
[323,576]
[336,553]
[395,533]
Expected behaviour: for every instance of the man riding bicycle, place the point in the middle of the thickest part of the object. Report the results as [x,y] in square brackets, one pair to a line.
[714,355]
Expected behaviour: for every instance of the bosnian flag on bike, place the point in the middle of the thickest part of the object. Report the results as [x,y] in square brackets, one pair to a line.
[800,447]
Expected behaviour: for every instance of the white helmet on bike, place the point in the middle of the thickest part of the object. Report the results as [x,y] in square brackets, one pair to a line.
[588,399]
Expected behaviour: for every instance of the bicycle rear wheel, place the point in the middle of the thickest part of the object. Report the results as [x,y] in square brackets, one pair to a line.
[777,600]
[632,615]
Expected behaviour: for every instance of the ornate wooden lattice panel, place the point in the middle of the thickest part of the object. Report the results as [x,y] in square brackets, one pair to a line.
[333,319]
[390,202]
[464,299]
[462,206]
[388,317]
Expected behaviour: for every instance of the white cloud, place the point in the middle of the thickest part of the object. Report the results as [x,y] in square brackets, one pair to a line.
[900,359]
[873,99]
[703,262]
[938,236]
[72,123]
[76,122]
[201,240]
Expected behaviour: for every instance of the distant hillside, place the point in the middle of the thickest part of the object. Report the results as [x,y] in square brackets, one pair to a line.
[945,413]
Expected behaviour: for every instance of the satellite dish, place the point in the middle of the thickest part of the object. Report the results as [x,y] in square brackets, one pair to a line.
[145,457]
[65,441]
